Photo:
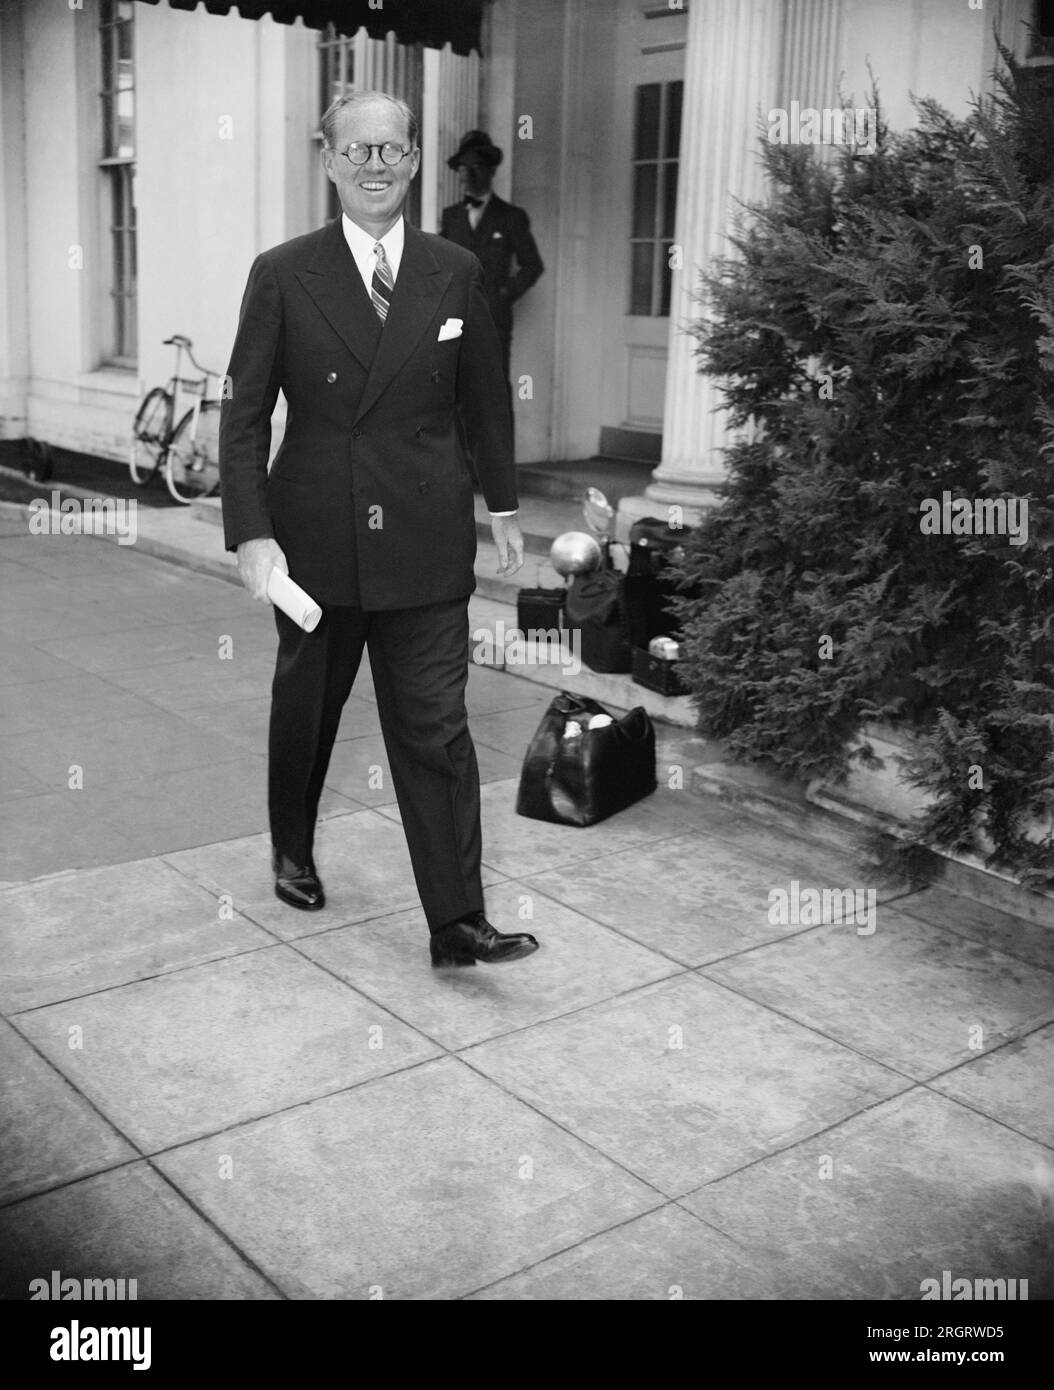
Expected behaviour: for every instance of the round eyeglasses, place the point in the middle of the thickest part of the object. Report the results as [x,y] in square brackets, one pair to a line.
[391,154]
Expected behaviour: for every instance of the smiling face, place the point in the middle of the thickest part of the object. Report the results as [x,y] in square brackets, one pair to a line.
[371,194]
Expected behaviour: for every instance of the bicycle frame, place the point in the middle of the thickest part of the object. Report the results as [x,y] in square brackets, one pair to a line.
[171,444]
[199,389]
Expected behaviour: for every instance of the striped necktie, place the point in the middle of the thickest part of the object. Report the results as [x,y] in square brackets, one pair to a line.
[383,284]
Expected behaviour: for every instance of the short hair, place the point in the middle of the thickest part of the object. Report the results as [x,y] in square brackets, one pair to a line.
[351,99]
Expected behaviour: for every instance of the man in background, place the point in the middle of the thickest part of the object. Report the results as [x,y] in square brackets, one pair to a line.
[494,231]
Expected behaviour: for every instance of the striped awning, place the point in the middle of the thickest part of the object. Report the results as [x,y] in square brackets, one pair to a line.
[430,22]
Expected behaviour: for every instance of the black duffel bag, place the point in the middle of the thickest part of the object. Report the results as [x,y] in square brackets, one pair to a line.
[589,776]
[596,606]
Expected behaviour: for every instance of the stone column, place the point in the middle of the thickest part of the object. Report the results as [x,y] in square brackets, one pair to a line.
[14,323]
[735,69]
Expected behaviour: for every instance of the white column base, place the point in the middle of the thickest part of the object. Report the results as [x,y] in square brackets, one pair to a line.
[693,504]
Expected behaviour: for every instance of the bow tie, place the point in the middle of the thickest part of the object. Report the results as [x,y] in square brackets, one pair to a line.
[473,202]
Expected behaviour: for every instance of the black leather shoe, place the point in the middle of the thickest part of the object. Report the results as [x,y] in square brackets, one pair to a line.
[472,938]
[297,884]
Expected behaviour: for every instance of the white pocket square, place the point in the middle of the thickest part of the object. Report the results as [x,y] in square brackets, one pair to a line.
[450,329]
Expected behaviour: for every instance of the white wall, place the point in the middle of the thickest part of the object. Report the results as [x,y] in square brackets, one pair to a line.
[932,48]
[14,348]
[527,50]
[225,155]
[225,167]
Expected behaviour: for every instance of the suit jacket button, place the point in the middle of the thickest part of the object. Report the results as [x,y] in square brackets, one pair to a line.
[331,377]
[419,431]
[435,376]
[356,434]
[422,487]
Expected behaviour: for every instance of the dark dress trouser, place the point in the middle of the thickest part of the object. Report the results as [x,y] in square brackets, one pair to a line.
[419,659]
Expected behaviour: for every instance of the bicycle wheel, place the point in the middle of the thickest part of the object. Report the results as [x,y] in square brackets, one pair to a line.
[149,432]
[192,468]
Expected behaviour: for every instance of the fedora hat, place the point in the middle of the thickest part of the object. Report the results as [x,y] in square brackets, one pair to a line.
[476,142]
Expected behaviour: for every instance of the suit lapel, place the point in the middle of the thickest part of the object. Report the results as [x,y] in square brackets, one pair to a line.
[487,224]
[419,286]
[461,227]
[334,283]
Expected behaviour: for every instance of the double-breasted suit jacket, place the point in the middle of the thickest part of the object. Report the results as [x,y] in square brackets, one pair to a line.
[369,495]
[502,236]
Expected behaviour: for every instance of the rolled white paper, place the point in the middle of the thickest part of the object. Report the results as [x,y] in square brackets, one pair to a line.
[293,601]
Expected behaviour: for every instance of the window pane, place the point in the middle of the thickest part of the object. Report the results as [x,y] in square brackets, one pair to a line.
[672,143]
[644,192]
[125,124]
[105,59]
[665,280]
[108,142]
[640,286]
[646,143]
[669,200]
[116,223]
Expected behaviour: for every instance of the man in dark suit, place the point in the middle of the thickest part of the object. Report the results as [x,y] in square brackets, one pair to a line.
[495,231]
[380,338]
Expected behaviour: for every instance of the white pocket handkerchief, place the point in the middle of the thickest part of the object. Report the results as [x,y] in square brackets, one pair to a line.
[450,329]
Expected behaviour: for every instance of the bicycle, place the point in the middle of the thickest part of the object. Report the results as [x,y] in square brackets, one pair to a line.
[189,452]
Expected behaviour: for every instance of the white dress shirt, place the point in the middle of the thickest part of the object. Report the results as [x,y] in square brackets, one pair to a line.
[361,245]
[475,214]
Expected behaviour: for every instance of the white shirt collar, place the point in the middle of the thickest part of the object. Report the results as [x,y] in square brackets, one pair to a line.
[361,244]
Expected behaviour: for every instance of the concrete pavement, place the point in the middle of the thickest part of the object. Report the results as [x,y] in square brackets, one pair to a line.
[684,1093]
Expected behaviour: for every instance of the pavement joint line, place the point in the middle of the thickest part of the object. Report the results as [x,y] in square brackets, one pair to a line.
[116,985]
[566,1129]
[566,1250]
[50,1188]
[975,1109]
[1007,950]
[292,1105]
[718,1230]
[218,1230]
[1015,1041]
[808,1027]
[414,1027]
[137,1151]
[617,997]
[1032,1025]
[657,950]
[792,1144]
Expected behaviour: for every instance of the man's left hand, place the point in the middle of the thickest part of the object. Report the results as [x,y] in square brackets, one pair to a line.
[509,539]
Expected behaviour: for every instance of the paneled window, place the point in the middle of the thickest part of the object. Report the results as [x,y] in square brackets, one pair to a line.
[364,64]
[656,142]
[117,104]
